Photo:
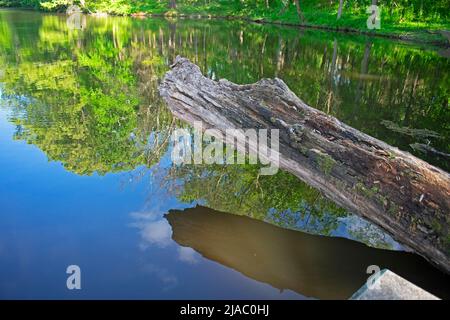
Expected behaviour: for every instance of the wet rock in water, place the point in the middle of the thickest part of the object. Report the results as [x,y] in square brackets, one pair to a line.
[386,285]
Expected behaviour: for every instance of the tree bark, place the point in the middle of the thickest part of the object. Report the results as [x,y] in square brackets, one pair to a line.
[299,11]
[407,197]
[341,4]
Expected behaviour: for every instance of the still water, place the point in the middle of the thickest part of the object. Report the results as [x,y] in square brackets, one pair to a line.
[86,176]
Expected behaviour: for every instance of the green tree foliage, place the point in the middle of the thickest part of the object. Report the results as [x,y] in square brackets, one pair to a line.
[281,199]
[399,12]
[83,103]
[89,98]
[110,72]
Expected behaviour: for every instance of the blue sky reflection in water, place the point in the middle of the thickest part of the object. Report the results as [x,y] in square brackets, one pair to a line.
[113,228]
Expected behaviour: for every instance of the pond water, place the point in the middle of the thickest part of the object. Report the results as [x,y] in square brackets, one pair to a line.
[87,179]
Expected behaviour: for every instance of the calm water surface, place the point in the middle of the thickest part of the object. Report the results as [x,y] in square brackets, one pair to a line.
[86,176]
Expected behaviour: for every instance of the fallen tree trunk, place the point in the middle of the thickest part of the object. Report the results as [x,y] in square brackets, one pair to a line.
[404,195]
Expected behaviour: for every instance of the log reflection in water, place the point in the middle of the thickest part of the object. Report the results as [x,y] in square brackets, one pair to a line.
[315,266]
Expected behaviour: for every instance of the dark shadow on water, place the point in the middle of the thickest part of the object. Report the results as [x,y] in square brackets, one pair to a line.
[314,266]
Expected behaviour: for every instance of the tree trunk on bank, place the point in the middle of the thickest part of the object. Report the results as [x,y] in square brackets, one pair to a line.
[407,197]
[341,4]
[301,17]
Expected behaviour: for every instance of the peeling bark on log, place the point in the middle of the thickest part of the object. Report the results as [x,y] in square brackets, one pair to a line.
[404,195]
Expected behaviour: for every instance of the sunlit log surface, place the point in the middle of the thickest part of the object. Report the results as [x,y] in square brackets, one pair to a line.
[404,195]
[312,265]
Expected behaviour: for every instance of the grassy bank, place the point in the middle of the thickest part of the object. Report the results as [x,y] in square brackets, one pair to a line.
[411,20]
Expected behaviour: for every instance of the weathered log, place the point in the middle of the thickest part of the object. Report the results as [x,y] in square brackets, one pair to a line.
[407,197]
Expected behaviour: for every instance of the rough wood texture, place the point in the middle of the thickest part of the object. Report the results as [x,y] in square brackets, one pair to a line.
[404,195]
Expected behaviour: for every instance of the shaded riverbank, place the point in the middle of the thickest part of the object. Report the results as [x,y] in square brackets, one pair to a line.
[87,167]
[394,25]
[437,38]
